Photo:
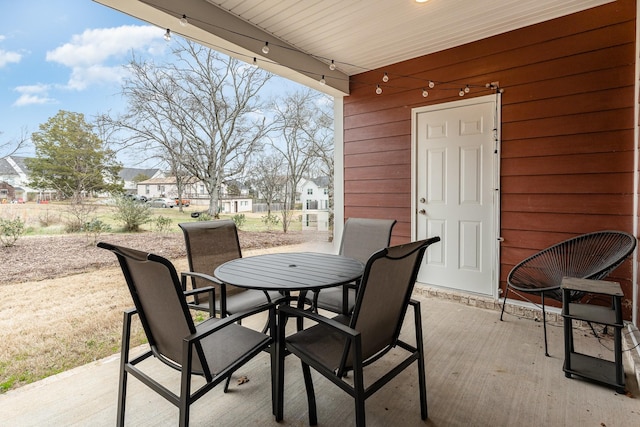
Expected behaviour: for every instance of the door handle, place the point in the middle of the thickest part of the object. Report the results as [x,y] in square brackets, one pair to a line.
[422,212]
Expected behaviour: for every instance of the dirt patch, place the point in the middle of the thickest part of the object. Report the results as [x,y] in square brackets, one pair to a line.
[47,257]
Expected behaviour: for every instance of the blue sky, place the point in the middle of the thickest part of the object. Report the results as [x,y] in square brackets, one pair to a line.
[66,55]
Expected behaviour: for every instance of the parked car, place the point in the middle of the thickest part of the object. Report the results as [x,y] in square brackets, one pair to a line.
[137,198]
[162,202]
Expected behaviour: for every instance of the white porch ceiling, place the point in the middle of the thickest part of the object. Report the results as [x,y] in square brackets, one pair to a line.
[359,35]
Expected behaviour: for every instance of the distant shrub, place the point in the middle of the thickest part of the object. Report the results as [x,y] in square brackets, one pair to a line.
[204,216]
[270,220]
[78,216]
[95,227]
[163,224]
[48,219]
[11,230]
[239,219]
[131,213]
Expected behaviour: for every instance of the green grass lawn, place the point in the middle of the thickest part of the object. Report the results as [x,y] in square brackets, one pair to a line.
[50,218]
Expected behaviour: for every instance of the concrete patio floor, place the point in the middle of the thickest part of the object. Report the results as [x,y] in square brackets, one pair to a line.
[480,372]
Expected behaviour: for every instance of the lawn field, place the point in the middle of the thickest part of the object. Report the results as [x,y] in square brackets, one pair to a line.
[50,218]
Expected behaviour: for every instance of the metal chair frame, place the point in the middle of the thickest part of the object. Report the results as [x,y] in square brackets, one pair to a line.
[205,343]
[588,256]
[355,341]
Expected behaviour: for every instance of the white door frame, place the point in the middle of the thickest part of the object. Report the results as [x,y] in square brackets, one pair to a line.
[496,173]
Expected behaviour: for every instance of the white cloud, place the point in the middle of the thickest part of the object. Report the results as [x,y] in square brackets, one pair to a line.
[33,94]
[9,57]
[96,55]
[82,77]
[27,99]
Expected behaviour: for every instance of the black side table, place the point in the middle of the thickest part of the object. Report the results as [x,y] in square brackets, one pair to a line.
[582,365]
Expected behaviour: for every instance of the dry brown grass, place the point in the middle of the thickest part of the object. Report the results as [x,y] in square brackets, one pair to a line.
[62,299]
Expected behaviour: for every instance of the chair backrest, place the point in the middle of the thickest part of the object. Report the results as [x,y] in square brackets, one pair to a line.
[383,296]
[588,256]
[160,302]
[210,244]
[362,237]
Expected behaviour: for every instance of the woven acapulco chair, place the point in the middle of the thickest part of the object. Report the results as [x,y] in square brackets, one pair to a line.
[589,256]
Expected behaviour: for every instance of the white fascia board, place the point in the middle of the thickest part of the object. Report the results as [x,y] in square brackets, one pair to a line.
[223,32]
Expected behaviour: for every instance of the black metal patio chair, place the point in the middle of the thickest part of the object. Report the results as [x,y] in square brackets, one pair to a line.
[588,256]
[361,238]
[213,349]
[350,342]
[210,244]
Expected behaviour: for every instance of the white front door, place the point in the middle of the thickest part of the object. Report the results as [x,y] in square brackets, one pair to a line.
[455,165]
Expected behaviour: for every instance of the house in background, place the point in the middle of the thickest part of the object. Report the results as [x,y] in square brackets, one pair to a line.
[15,173]
[7,192]
[314,198]
[545,92]
[196,192]
[130,177]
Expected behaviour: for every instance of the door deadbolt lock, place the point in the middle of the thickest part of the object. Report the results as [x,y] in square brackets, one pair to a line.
[423,200]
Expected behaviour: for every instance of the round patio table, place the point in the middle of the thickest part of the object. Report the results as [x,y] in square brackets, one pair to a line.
[286,272]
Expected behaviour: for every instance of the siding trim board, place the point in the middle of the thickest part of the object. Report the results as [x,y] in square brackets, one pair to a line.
[568,137]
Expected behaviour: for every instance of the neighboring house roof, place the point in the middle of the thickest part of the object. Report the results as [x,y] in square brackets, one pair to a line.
[321,182]
[128,174]
[13,165]
[6,168]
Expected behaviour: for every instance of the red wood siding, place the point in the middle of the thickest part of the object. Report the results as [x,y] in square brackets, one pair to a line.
[567,129]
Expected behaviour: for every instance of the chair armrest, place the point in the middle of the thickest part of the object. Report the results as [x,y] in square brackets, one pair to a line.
[131,311]
[204,276]
[209,289]
[212,325]
[318,318]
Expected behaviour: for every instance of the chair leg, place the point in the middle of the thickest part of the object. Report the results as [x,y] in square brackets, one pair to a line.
[422,383]
[226,383]
[280,355]
[504,303]
[544,327]
[122,397]
[124,360]
[359,397]
[311,396]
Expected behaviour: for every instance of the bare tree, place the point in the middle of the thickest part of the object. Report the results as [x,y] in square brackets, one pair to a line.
[269,180]
[202,108]
[323,150]
[13,146]
[295,118]
[302,131]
